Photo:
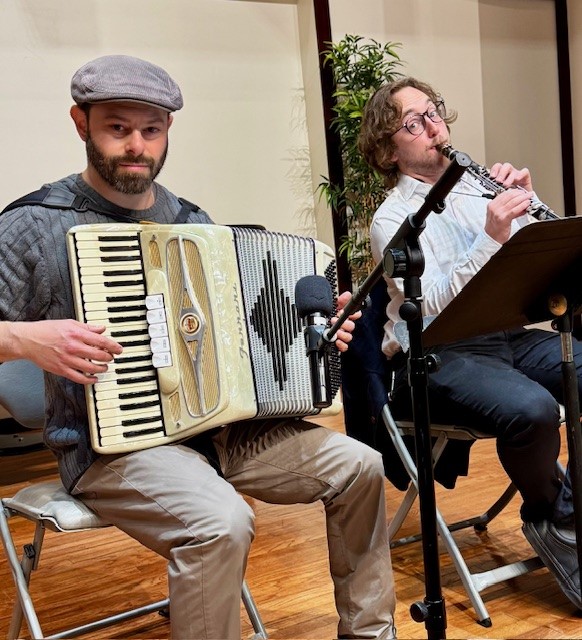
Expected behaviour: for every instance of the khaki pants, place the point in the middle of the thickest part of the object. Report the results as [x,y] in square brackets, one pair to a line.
[172,501]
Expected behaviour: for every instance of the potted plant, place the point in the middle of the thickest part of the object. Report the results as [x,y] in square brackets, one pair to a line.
[359,67]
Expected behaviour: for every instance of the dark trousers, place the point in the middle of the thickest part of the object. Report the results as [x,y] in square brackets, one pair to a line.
[508,384]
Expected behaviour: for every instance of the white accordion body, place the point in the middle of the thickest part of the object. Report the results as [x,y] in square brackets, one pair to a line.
[208,324]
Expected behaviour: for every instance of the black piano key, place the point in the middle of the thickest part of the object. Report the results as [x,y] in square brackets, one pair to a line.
[126,359]
[143,432]
[123,381]
[124,283]
[128,395]
[120,333]
[133,406]
[126,319]
[123,370]
[132,298]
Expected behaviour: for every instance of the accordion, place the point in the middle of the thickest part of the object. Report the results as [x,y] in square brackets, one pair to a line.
[208,324]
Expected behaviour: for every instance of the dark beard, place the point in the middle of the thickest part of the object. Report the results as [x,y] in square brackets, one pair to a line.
[108,169]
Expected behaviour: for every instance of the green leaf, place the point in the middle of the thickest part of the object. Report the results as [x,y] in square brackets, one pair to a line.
[359,67]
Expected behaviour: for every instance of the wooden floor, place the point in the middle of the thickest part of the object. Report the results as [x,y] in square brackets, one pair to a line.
[95,573]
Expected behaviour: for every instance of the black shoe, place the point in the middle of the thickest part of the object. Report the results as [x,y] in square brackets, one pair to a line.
[556,546]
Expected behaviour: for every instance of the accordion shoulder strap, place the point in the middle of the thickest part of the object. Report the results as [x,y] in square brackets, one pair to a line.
[58,197]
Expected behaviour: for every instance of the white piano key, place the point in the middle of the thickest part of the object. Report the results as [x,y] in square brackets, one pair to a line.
[110,391]
[115,415]
[114,423]
[117,402]
[102,295]
[107,281]
[120,379]
[96,262]
[98,287]
[115,437]
[133,326]
[128,317]
[89,249]
[104,267]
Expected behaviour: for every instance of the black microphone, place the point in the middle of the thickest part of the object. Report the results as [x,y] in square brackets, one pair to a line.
[314,303]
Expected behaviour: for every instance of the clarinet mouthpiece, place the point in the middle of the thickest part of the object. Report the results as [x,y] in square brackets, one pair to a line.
[447,151]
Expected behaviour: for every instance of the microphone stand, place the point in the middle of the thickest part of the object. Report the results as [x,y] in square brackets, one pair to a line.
[403,258]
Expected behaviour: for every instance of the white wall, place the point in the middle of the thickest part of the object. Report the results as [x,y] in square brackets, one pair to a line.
[238,148]
[440,45]
[248,69]
[520,91]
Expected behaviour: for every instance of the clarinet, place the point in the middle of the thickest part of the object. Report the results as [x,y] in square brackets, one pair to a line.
[537,209]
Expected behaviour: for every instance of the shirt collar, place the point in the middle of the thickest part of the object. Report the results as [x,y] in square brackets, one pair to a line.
[409,186]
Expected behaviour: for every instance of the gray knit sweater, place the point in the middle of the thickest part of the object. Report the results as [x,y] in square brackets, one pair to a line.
[35,285]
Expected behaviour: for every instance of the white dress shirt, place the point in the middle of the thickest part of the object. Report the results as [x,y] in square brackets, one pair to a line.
[454,244]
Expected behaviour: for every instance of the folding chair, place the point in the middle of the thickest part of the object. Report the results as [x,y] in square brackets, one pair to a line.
[49,506]
[366,380]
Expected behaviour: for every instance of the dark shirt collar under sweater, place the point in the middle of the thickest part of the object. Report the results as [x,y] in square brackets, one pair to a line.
[161,202]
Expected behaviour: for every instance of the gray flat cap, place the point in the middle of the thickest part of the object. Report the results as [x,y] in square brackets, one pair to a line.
[120,78]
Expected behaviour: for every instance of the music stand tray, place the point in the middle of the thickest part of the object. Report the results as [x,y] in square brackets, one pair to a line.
[513,288]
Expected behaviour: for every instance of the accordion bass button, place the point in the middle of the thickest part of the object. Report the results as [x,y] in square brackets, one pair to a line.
[157,288]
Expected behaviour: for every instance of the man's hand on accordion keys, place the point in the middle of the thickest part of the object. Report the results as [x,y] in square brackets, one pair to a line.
[344,335]
[67,348]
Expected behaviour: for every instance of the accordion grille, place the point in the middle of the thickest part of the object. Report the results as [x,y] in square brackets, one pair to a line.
[270,264]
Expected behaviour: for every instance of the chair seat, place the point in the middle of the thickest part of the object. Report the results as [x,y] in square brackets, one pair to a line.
[453,432]
[59,511]
[14,436]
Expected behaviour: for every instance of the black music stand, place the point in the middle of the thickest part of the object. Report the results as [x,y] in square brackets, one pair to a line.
[403,258]
[534,277]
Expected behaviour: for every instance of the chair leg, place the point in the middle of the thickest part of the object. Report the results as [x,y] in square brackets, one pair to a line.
[253,613]
[111,620]
[474,583]
[483,617]
[21,572]
[409,498]
[398,518]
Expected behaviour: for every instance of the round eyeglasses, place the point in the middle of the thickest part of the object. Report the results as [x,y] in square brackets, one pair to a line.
[416,124]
